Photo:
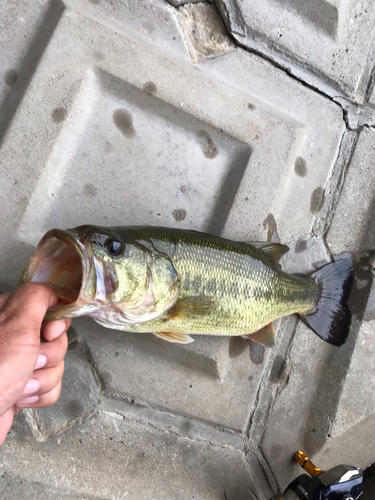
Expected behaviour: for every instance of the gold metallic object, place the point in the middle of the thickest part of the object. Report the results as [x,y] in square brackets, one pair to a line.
[304,461]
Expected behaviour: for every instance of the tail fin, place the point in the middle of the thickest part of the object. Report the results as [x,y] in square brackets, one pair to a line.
[331,318]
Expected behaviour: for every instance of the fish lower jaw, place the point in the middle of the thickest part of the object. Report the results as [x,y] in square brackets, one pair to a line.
[74,310]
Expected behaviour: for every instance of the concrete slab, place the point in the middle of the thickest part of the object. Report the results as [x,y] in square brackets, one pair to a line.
[285,419]
[79,397]
[78,120]
[351,231]
[121,122]
[111,457]
[14,488]
[331,413]
[212,379]
[25,30]
[195,150]
[327,44]
[305,406]
[351,228]
[131,130]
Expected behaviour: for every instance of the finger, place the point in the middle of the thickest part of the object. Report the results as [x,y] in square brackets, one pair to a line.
[52,329]
[25,309]
[42,381]
[52,353]
[20,323]
[3,299]
[42,401]
[6,421]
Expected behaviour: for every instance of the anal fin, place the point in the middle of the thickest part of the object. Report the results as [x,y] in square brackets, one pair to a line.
[179,338]
[264,336]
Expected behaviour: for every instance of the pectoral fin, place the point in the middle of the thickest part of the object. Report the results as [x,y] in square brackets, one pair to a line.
[191,306]
[275,249]
[264,336]
[179,338]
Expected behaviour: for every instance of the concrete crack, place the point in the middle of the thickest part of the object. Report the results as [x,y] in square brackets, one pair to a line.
[335,183]
[355,115]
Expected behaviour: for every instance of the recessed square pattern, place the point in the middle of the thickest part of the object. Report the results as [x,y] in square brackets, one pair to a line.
[117,131]
[137,159]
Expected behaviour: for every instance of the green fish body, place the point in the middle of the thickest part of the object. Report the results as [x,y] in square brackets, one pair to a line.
[226,287]
[174,283]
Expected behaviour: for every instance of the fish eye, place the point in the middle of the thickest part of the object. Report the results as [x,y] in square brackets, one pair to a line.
[114,247]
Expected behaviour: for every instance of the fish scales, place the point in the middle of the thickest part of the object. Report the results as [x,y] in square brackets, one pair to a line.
[250,289]
[174,283]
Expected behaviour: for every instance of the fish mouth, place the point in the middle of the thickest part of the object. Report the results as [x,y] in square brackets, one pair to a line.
[64,261]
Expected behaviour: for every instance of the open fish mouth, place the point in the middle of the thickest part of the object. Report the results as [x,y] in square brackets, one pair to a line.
[64,261]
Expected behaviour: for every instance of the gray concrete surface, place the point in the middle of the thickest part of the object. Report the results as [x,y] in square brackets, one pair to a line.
[79,396]
[211,116]
[328,43]
[108,456]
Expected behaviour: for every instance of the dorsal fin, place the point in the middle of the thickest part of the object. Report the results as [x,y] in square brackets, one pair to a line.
[277,250]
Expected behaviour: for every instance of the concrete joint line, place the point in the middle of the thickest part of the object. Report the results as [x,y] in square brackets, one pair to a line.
[264,482]
[113,414]
[289,72]
[370,85]
[335,183]
[268,390]
[168,413]
[181,3]
[354,115]
[94,369]
[164,421]
[194,439]
[32,419]
[127,399]
[267,470]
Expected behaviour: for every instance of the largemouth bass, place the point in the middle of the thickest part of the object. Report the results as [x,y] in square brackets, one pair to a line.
[174,283]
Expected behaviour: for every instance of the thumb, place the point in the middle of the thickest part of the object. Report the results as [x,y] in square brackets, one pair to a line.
[24,311]
[20,323]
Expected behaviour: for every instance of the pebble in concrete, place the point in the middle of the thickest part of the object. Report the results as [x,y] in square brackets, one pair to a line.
[204,31]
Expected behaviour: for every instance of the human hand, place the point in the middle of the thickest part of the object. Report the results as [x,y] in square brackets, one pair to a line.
[31,352]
